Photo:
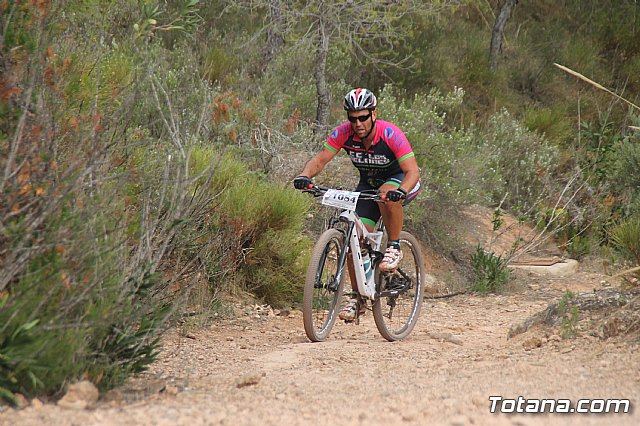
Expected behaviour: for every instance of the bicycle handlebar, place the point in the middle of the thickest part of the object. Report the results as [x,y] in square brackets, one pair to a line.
[319,191]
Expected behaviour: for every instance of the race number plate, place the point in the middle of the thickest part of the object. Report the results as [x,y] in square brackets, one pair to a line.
[341,199]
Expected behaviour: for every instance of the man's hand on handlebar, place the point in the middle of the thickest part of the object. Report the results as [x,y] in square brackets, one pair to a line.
[302,182]
[395,195]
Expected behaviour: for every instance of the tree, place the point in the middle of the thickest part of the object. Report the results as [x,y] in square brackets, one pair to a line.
[275,31]
[356,23]
[497,34]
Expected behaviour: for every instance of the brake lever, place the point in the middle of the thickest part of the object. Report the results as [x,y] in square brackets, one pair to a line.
[313,190]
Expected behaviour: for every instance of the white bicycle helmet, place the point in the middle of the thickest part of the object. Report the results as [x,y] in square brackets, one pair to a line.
[359,99]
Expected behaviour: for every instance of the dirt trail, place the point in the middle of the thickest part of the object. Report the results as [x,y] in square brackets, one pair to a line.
[262,371]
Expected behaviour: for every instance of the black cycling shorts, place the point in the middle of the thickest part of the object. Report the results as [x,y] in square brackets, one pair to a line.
[368,210]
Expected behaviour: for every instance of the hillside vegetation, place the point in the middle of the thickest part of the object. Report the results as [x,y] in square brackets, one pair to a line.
[147,147]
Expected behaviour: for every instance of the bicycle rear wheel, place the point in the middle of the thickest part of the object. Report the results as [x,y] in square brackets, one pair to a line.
[322,291]
[397,308]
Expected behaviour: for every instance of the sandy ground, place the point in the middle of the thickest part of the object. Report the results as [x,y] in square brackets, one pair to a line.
[258,368]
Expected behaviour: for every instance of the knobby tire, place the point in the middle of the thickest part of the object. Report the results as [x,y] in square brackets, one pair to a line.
[322,294]
[396,316]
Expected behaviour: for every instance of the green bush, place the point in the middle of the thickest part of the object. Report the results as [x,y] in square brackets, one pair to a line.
[599,138]
[218,63]
[570,315]
[626,237]
[523,160]
[579,246]
[479,164]
[491,272]
[270,220]
[623,164]
[75,311]
[259,225]
[216,171]
[17,364]
[552,123]
[445,154]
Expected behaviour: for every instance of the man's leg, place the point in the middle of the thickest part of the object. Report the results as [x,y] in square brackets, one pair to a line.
[392,214]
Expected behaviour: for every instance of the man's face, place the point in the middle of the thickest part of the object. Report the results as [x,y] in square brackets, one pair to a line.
[361,128]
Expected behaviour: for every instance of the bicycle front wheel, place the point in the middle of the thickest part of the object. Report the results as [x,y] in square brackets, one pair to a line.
[322,291]
[397,307]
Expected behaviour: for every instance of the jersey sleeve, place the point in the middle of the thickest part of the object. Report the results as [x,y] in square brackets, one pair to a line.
[338,137]
[397,141]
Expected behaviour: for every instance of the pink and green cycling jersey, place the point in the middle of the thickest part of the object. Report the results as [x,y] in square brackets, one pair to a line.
[382,160]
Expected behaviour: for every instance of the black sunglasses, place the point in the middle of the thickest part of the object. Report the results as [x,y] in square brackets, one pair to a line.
[361,118]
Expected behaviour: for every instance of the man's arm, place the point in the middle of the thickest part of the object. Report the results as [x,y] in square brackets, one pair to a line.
[411,172]
[317,163]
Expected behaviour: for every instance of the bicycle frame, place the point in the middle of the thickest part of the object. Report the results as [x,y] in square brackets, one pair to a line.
[356,232]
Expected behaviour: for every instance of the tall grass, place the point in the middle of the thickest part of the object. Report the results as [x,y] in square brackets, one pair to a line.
[626,237]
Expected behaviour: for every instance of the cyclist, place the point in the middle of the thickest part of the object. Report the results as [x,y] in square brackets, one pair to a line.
[386,162]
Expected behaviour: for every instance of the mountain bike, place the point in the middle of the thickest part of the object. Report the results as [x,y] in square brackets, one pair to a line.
[396,296]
